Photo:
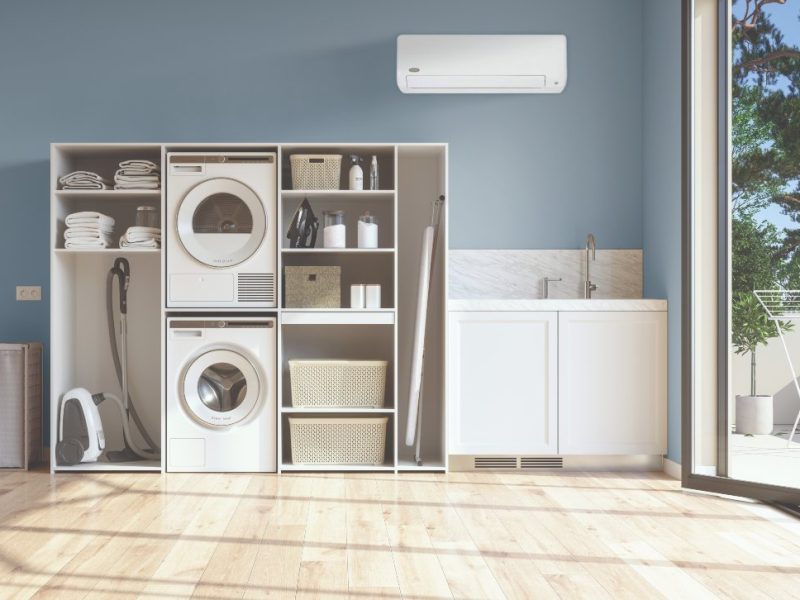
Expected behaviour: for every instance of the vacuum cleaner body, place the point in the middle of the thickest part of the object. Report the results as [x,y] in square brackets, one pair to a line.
[80,431]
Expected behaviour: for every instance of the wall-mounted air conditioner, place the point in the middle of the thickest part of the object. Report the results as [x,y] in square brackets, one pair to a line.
[481,64]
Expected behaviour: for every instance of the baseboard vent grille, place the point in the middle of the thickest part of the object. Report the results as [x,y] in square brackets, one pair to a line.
[255,287]
[541,462]
[495,462]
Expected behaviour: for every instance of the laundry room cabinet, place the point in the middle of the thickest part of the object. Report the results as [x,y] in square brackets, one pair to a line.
[504,372]
[412,177]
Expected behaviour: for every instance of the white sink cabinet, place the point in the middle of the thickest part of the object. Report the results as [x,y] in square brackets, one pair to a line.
[557,378]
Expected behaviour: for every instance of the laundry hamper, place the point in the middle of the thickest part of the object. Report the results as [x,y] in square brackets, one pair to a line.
[338,441]
[338,383]
[316,171]
[20,405]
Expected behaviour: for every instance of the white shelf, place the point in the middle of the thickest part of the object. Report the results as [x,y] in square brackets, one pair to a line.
[339,194]
[337,250]
[141,465]
[107,250]
[292,467]
[108,194]
[289,410]
[343,316]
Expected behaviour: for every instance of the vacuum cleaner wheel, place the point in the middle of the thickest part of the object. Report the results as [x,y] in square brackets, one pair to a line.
[69,452]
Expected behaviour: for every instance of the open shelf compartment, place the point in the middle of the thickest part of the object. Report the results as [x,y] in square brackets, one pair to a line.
[384,152]
[80,341]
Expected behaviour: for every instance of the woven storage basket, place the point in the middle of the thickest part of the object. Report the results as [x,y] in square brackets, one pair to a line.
[336,441]
[338,383]
[313,287]
[316,171]
[20,405]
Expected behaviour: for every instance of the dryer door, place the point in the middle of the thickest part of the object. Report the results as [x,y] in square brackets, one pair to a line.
[221,388]
[221,222]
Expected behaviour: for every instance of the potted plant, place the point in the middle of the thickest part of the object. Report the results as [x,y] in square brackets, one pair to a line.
[752,328]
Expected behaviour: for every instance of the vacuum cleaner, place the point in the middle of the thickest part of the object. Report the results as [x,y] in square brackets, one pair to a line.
[80,436]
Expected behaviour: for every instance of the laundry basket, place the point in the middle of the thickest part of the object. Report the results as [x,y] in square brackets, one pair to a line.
[20,405]
[338,383]
[338,441]
[316,171]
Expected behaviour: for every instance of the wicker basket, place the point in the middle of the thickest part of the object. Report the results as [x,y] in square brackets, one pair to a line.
[316,171]
[313,287]
[338,383]
[20,405]
[337,441]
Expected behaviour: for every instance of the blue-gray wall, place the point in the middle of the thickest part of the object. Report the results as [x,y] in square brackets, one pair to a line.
[662,183]
[527,171]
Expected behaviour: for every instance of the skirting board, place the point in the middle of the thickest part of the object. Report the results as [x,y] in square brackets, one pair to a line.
[672,469]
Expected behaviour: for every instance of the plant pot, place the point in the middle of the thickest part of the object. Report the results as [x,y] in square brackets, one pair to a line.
[754,415]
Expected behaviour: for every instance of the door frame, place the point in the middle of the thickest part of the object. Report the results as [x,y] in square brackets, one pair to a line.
[718,483]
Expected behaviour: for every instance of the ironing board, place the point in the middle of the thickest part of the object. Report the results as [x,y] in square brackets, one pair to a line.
[415,395]
[782,306]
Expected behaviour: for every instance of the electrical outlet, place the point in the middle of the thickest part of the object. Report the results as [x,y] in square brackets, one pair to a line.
[29,292]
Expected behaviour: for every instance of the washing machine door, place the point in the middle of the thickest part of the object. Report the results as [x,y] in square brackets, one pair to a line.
[221,222]
[221,388]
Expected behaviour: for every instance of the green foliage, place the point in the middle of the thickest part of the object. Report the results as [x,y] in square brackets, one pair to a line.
[753,263]
[751,325]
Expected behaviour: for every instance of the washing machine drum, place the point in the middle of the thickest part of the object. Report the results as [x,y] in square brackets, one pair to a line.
[221,388]
[221,222]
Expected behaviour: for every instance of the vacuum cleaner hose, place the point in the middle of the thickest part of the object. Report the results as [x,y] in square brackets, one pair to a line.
[126,431]
[112,337]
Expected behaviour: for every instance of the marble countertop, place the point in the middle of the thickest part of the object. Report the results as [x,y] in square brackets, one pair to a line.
[641,304]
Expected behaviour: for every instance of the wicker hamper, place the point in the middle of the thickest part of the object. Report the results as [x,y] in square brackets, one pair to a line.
[338,441]
[20,405]
[338,383]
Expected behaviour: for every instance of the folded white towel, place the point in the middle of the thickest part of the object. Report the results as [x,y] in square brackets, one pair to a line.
[125,243]
[143,237]
[137,185]
[72,234]
[90,228]
[84,180]
[143,232]
[90,218]
[136,166]
[86,243]
[121,176]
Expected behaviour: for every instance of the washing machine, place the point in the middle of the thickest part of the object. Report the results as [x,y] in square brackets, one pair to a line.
[221,394]
[221,239]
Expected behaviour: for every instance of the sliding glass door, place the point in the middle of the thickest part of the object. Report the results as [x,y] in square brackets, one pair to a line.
[741,240]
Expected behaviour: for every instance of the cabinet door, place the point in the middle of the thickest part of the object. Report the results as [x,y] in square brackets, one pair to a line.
[503,383]
[612,382]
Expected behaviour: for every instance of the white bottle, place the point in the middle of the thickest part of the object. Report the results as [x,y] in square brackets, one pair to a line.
[356,175]
[374,183]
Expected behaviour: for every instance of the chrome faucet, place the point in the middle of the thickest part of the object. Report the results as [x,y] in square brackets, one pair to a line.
[591,250]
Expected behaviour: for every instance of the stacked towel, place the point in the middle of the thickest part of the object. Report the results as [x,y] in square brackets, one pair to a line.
[83,180]
[137,175]
[88,229]
[141,237]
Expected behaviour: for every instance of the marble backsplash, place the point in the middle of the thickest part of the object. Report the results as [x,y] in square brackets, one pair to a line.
[518,274]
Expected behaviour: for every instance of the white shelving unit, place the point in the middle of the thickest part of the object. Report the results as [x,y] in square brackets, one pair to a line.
[80,354]
[412,177]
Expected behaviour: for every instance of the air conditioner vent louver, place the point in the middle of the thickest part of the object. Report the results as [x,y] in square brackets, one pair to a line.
[541,462]
[255,287]
[495,462]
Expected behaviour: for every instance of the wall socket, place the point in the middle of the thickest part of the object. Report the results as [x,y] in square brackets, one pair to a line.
[29,292]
